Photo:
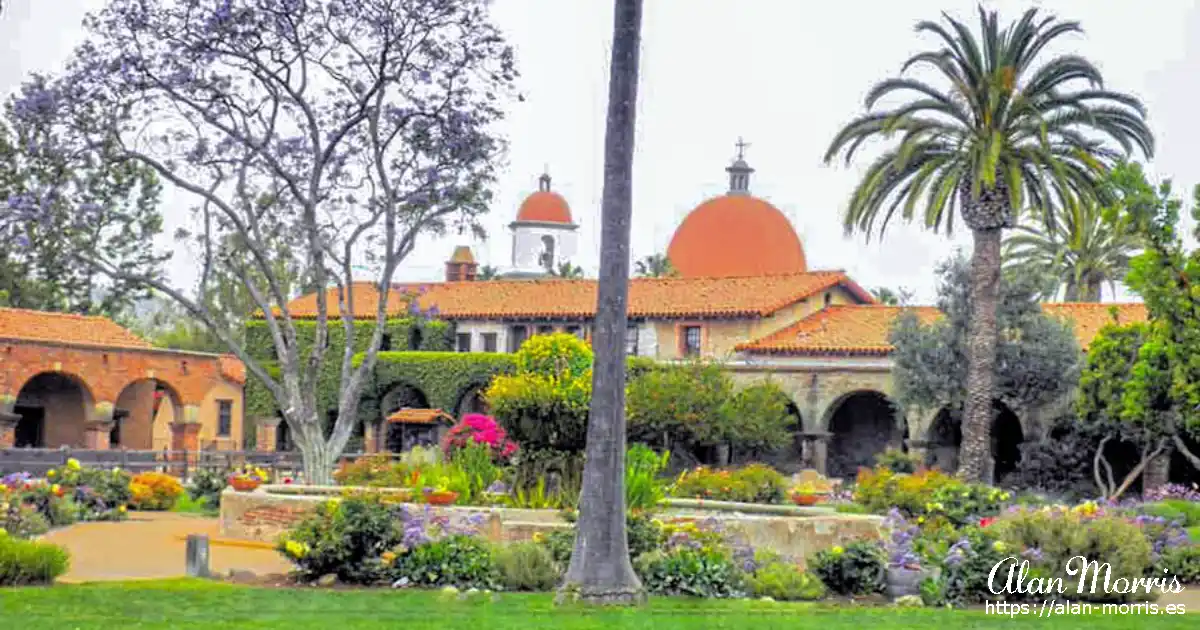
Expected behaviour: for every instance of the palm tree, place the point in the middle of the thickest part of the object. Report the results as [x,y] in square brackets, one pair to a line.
[1079,247]
[487,272]
[655,266]
[1006,129]
[567,270]
[891,297]
[600,569]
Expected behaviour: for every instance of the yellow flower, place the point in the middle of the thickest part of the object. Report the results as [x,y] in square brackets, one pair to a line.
[121,509]
[538,537]
[73,464]
[920,519]
[388,557]
[998,546]
[837,550]
[297,549]
[54,488]
[50,474]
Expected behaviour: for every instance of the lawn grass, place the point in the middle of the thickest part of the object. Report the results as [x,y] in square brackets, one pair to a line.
[184,604]
[1194,532]
[187,505]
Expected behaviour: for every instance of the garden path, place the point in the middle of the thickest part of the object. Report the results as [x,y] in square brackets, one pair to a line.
[152,545]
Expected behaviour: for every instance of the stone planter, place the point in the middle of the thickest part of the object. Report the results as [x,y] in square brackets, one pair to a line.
[904,581]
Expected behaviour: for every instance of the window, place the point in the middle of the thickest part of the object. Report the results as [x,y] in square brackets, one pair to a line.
[224,418]
[489,342]
[462,341]
[545,330]
[691,341]
[828,299]
[516,337]
[575,330]
[547,256]
[631,340]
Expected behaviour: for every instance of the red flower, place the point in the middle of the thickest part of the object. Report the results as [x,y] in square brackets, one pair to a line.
[988,520]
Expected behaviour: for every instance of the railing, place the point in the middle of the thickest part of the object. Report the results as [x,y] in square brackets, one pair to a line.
[182,463]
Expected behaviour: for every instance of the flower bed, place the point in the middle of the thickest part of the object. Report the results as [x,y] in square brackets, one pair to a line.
[797,532]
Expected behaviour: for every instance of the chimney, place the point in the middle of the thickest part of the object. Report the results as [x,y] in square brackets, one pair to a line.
[461,266]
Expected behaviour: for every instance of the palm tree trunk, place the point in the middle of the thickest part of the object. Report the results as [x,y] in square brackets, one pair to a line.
[975,458]
[600,570]
[1092,287]
[1071,294]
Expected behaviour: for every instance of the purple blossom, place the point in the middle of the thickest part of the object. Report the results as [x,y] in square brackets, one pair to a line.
[497,487]
[957,552]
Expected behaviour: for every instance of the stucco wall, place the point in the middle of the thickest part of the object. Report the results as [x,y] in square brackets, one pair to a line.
[208,416]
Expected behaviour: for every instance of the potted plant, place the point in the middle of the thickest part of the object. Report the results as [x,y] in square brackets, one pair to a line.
[248,479]
[440,495]
[807,493]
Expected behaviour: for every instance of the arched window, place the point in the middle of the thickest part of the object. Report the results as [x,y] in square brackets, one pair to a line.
[547,257]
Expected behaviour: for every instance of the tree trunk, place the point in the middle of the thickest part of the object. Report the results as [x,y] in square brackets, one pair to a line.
[318,463]
[600,571]
[975,457]
[1157,472]
[1092,289]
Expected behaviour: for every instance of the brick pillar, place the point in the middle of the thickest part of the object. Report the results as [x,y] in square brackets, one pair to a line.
[8,429]
[98,428]
[265,434]
[185,436]
[371,437]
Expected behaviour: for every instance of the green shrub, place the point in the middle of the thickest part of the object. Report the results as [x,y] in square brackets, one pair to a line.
[860,568]
[708,572]
[643,489]
[459,560]
[52,503]
[207,485]
[965,565]
[25,562]
[929,494]
[345,538]
[1181,562]
[528,566]
[785,582]
[898,461]
[23,521]
[644,533]
[756,483]
[1058,535]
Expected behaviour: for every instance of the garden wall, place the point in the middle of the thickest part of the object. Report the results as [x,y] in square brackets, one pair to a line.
[262,516]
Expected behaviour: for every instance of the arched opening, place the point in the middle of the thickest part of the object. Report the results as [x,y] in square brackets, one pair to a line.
[143,414]
[547,256]
[397,398]
[283,436]
[54,408]
[945,440]
[863,424]
[796,455]
[1007,437]
[472,401]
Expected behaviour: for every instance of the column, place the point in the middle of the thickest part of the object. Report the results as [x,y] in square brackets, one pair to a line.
[8,429]
[816,450]
[98,428]
[371,439]
[919,449]
[185,436]
[265,433]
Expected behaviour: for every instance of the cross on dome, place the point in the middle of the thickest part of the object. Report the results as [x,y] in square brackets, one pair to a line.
[739,171]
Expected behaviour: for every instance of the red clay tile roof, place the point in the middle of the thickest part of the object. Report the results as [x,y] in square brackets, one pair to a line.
[420,416]
[65,328]
[838,329]
[863,330]
[233,369]
[751,296]
[1089,318]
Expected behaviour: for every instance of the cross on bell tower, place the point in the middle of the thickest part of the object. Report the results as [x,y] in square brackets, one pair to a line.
[739,171]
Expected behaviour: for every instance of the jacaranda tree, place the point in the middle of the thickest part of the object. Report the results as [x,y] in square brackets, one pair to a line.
[338,130]
[1006,127]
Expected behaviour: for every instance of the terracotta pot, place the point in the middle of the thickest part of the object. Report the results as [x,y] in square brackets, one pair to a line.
[241,484]
[806,499]
[441,498]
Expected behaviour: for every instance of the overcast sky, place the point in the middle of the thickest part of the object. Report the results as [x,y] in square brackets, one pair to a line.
[784,74]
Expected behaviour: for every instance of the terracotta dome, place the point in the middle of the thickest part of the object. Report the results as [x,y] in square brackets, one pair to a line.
[545,206]
[736,235]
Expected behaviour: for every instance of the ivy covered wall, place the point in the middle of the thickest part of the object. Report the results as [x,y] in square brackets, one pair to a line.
[405,333]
